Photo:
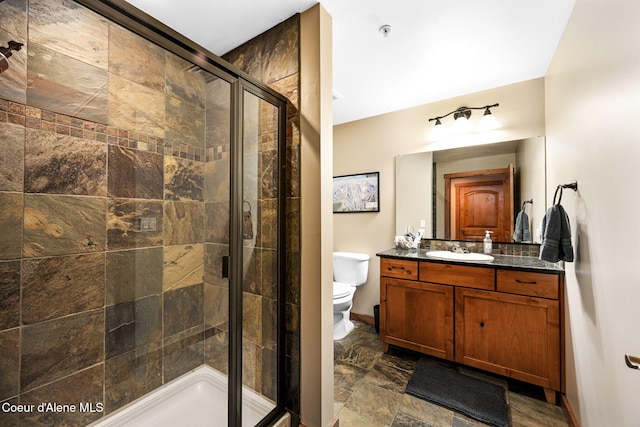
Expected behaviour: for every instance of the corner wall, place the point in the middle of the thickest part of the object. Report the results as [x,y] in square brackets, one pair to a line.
[294,58]
[316,152]
[592,103]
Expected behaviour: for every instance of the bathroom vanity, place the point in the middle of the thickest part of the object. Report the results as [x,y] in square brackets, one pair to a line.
[504,316]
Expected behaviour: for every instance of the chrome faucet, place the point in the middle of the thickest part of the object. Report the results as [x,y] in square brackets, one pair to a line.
[460,249]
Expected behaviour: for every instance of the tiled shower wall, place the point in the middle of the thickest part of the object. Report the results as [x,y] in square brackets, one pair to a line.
[114,182]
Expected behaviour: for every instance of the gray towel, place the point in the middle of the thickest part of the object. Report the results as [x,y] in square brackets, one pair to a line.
[556,236]
[521,232]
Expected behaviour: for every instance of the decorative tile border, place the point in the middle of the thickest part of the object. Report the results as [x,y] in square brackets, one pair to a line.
[48,121]
[515,249]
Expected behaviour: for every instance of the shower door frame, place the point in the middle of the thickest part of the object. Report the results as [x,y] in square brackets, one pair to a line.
[131,18]
[236,251]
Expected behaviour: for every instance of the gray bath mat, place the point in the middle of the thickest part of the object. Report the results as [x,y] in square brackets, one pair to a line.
[472,397]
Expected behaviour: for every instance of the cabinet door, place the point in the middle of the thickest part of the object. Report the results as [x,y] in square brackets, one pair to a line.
[418,316]
[511,335]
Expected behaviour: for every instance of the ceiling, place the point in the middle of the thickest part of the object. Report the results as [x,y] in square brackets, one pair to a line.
[435,50]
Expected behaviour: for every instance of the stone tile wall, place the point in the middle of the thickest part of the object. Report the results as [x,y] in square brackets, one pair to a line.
[114,187]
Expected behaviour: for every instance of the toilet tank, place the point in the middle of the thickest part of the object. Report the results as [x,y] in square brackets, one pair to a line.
[350,267]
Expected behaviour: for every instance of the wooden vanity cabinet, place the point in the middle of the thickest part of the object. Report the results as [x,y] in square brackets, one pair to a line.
[417,316]
[502,321]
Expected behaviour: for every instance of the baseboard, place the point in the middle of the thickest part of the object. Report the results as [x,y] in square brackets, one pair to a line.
[568,412]
[365,318]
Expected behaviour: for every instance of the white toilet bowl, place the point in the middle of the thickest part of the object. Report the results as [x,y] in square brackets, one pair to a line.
[349,271]
[342,303]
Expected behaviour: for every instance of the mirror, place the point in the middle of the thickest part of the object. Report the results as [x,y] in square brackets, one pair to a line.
[420,183]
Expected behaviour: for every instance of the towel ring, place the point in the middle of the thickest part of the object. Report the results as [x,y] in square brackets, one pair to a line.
[559,187]
[573,186]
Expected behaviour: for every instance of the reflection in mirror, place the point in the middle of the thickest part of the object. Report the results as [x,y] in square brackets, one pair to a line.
[478,202]
[414,173]
[527,157]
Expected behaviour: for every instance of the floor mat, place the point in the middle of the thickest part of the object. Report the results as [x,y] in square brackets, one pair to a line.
[443,385]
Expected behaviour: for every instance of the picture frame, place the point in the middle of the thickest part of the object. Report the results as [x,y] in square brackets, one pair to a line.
[356,193]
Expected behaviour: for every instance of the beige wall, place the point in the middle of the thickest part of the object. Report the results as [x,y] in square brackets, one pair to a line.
[371,144]
[316,151]
[592,104]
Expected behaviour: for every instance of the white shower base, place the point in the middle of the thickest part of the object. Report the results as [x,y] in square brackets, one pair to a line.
[196,399]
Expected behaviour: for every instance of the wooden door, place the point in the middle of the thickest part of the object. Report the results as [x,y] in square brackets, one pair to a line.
[511,335]
[479,201]
[418,316]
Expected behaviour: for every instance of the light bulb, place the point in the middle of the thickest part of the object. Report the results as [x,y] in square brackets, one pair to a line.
[438,131]
[461,124]
[488,122]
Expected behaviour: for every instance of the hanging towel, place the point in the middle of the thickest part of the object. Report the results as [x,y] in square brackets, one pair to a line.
[521,232]
[556,236]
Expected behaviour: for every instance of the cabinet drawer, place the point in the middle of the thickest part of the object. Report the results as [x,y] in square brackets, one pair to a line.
[458,275]
[528,283]
[399,268]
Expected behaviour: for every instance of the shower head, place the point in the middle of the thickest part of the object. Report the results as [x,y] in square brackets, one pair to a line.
[5,52]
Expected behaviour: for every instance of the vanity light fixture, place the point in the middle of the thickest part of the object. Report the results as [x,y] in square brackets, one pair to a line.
[462,124]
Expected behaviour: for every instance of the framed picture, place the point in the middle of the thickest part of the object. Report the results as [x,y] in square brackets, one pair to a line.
[356,193]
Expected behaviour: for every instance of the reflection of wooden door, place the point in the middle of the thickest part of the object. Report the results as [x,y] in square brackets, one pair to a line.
[479,208]
[479,201]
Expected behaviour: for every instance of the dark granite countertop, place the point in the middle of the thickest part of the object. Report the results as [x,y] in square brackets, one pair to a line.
[509,262]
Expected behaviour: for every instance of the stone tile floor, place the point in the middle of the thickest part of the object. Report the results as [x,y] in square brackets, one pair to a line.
[369,390]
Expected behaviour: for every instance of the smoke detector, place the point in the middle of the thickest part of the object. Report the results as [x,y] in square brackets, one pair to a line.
[385,30]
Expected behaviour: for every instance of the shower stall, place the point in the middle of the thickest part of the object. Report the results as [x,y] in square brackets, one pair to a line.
[142,222]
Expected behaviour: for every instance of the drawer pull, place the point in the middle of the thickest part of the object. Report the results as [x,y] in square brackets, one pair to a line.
[524,282]
[400,268]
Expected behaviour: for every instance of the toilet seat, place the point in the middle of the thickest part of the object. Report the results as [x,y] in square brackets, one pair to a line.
[341,289]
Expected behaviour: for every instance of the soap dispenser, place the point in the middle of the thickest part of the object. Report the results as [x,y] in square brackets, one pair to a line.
[488,246]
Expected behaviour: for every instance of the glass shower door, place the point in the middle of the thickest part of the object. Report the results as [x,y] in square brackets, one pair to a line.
[260,217]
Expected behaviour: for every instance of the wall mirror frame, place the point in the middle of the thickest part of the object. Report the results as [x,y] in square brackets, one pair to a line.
[420,183]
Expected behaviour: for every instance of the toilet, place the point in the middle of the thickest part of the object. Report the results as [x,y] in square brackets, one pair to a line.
[349,271]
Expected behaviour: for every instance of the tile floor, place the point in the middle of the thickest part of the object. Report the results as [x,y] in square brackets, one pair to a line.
[369,390]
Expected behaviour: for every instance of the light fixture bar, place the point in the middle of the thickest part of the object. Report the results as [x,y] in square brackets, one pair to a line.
[463,111]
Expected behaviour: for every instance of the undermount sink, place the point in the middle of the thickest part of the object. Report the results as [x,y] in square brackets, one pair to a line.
[457,256]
